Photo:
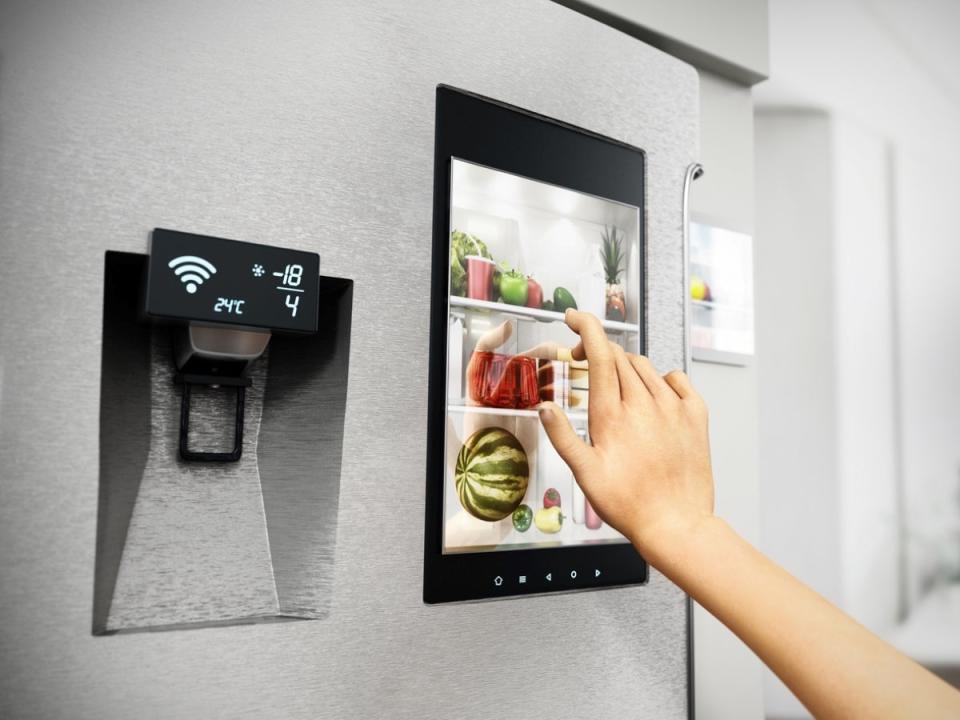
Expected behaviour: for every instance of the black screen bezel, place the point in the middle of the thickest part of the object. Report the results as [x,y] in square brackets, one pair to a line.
[490,133]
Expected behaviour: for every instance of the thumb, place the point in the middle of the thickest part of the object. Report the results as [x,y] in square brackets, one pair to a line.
[561,433]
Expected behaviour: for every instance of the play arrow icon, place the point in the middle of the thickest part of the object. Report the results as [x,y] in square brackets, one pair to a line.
[549,577]
[596,573]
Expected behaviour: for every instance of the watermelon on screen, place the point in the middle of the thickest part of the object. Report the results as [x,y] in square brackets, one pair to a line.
[491,474]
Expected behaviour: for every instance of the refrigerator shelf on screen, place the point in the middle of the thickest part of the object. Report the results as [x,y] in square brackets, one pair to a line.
[531,314]
[576,416]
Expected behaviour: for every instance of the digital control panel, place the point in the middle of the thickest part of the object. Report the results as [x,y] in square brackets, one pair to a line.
[531,217]
[197,277]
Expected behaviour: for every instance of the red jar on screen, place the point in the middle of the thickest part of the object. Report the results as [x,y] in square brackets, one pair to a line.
[503,381]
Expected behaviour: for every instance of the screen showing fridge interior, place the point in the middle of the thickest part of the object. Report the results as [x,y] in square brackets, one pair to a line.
[521,252]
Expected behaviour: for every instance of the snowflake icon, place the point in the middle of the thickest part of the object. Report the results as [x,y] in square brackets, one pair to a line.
[258,270]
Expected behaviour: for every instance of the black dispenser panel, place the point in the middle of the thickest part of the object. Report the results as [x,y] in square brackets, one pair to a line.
[197,277]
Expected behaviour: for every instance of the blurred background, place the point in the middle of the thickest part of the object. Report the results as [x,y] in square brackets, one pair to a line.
[858,346]
[852,480]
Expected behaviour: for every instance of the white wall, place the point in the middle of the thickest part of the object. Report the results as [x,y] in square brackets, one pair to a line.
[929,248]
[865,372]
[796,346]
[827,376]
[800,514]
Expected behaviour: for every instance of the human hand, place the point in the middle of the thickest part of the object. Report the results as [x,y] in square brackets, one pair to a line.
[648,475]
[647,472]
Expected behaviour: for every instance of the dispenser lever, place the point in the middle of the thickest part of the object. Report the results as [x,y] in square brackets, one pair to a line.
[216,357]
[185,452]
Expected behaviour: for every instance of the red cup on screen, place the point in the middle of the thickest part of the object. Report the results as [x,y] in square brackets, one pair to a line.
[479,277]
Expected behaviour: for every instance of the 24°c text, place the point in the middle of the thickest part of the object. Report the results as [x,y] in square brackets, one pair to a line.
[229,306]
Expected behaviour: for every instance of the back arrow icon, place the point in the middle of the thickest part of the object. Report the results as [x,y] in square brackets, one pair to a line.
[549,577]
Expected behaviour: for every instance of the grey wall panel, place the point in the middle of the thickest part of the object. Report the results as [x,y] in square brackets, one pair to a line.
[729,676]
[726,37]
[311,126]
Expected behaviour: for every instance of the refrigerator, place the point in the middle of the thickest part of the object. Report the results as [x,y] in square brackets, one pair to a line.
[292,585]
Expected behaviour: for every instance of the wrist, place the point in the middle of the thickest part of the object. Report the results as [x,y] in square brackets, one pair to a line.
[676,539]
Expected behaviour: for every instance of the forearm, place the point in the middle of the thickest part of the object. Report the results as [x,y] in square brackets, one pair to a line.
[836,667]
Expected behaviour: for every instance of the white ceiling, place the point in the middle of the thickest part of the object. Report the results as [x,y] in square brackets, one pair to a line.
[893,67]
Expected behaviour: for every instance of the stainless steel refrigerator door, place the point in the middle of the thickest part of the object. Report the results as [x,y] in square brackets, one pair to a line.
[307,125]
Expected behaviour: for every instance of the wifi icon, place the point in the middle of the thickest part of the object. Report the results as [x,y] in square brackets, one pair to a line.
[192,271]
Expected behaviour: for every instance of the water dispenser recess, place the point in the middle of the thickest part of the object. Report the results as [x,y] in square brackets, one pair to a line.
[531,217]
[223,398]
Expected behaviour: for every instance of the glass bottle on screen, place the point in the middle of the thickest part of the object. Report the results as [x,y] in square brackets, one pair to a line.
[593,520]
[579,500]
[556,481]
[455,361]
[590,517]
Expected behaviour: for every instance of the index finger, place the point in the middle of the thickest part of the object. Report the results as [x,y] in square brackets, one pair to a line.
[602,369]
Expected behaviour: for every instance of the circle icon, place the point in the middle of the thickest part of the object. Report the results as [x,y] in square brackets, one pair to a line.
[573,574]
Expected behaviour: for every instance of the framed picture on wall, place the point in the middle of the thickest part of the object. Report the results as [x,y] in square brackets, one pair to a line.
[721,295]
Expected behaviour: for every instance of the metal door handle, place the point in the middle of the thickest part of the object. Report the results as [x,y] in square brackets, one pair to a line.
[694,170]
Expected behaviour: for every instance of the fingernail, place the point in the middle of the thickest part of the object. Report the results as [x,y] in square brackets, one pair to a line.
[545,411]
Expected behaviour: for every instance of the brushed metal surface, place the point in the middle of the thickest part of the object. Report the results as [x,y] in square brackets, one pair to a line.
[196,550]
[311,126]
[300,453]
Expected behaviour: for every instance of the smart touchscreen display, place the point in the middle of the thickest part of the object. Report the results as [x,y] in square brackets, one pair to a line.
[522,251]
